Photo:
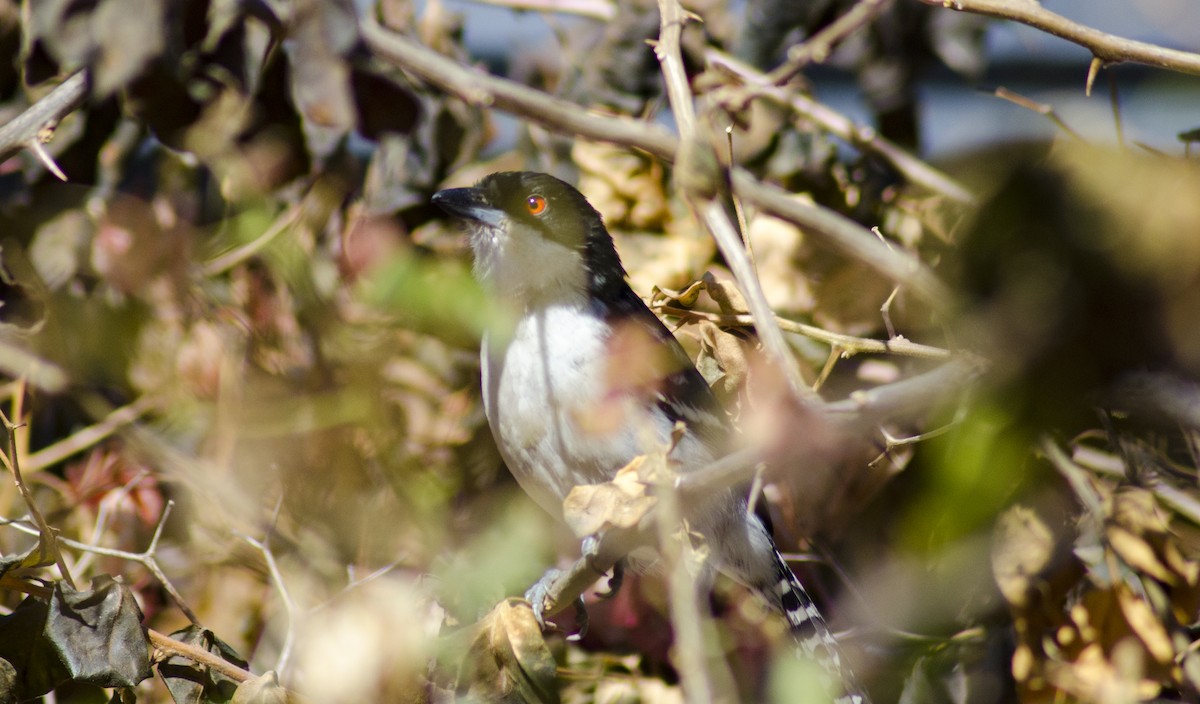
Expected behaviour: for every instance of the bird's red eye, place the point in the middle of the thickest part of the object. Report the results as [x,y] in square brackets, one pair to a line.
[536,205]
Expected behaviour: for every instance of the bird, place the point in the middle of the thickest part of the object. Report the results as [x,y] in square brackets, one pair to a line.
[542,249]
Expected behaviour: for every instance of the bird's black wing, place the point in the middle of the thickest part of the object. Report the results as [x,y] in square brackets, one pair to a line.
[684,395]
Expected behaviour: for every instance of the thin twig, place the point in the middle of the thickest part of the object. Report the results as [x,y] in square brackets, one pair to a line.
[168,646]
[146,558]
[289,605]
[863,137]
[1075,476]
[111,499]
[1108,48]
[89,436]
[1040,108]
[47,542]
[594,9]
[848,344]
[224,262]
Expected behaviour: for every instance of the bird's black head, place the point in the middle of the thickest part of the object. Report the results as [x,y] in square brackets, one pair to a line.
[535,236]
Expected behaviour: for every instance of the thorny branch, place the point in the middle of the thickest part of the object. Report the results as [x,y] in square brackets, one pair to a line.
[47,543]
[289,605]
[24,130]
[1107,48]
[818,47]
[863,137]
[146,558]
[848,345]
[479,88]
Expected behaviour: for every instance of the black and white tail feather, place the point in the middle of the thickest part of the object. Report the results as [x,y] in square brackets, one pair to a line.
[811,635]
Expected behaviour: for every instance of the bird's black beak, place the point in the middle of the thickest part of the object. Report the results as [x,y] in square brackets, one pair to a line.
[470,204]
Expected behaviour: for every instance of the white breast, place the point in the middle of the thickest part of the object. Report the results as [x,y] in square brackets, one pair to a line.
[551,409]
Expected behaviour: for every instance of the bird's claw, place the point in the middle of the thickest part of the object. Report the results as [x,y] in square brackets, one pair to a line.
[536,596]
[615,581]
[537,593]
[591,549]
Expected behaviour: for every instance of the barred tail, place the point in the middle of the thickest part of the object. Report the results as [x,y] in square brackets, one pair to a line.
[814,641]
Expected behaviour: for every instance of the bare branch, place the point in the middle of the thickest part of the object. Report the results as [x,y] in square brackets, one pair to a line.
[289,638]
[1108,48]
[146,558]
[15,361]
[90,435]
[47,543]
[819,46]
[478,88]
[24,129]
[1040,108]
[595,9]
[847,344]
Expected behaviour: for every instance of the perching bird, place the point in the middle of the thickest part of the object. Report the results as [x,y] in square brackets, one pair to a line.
[556,389]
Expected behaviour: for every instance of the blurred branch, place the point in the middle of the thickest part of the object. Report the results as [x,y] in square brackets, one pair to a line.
[289,638]
[847,344]
[25,129]
[224,262]
[701,182]
[595,9]
[861,137]
[478,88]
[1105,47]
[17,361]
[818,47]
[90,435]
[1034,106]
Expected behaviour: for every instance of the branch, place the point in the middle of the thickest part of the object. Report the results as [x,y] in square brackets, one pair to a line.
[908,398]
[23,130]
[145,558]
[478,88]
[289,605]
[847,344]
[47,543]
[862,137]
[602,10]
[90,435]
[1105,47]
[819,46]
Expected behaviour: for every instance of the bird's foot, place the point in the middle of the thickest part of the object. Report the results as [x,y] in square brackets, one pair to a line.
[536,596]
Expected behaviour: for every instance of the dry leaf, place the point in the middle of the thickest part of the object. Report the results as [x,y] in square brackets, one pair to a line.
[509,660]
[620,503]
[1137,553]
[1022,547]
[1146,625]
